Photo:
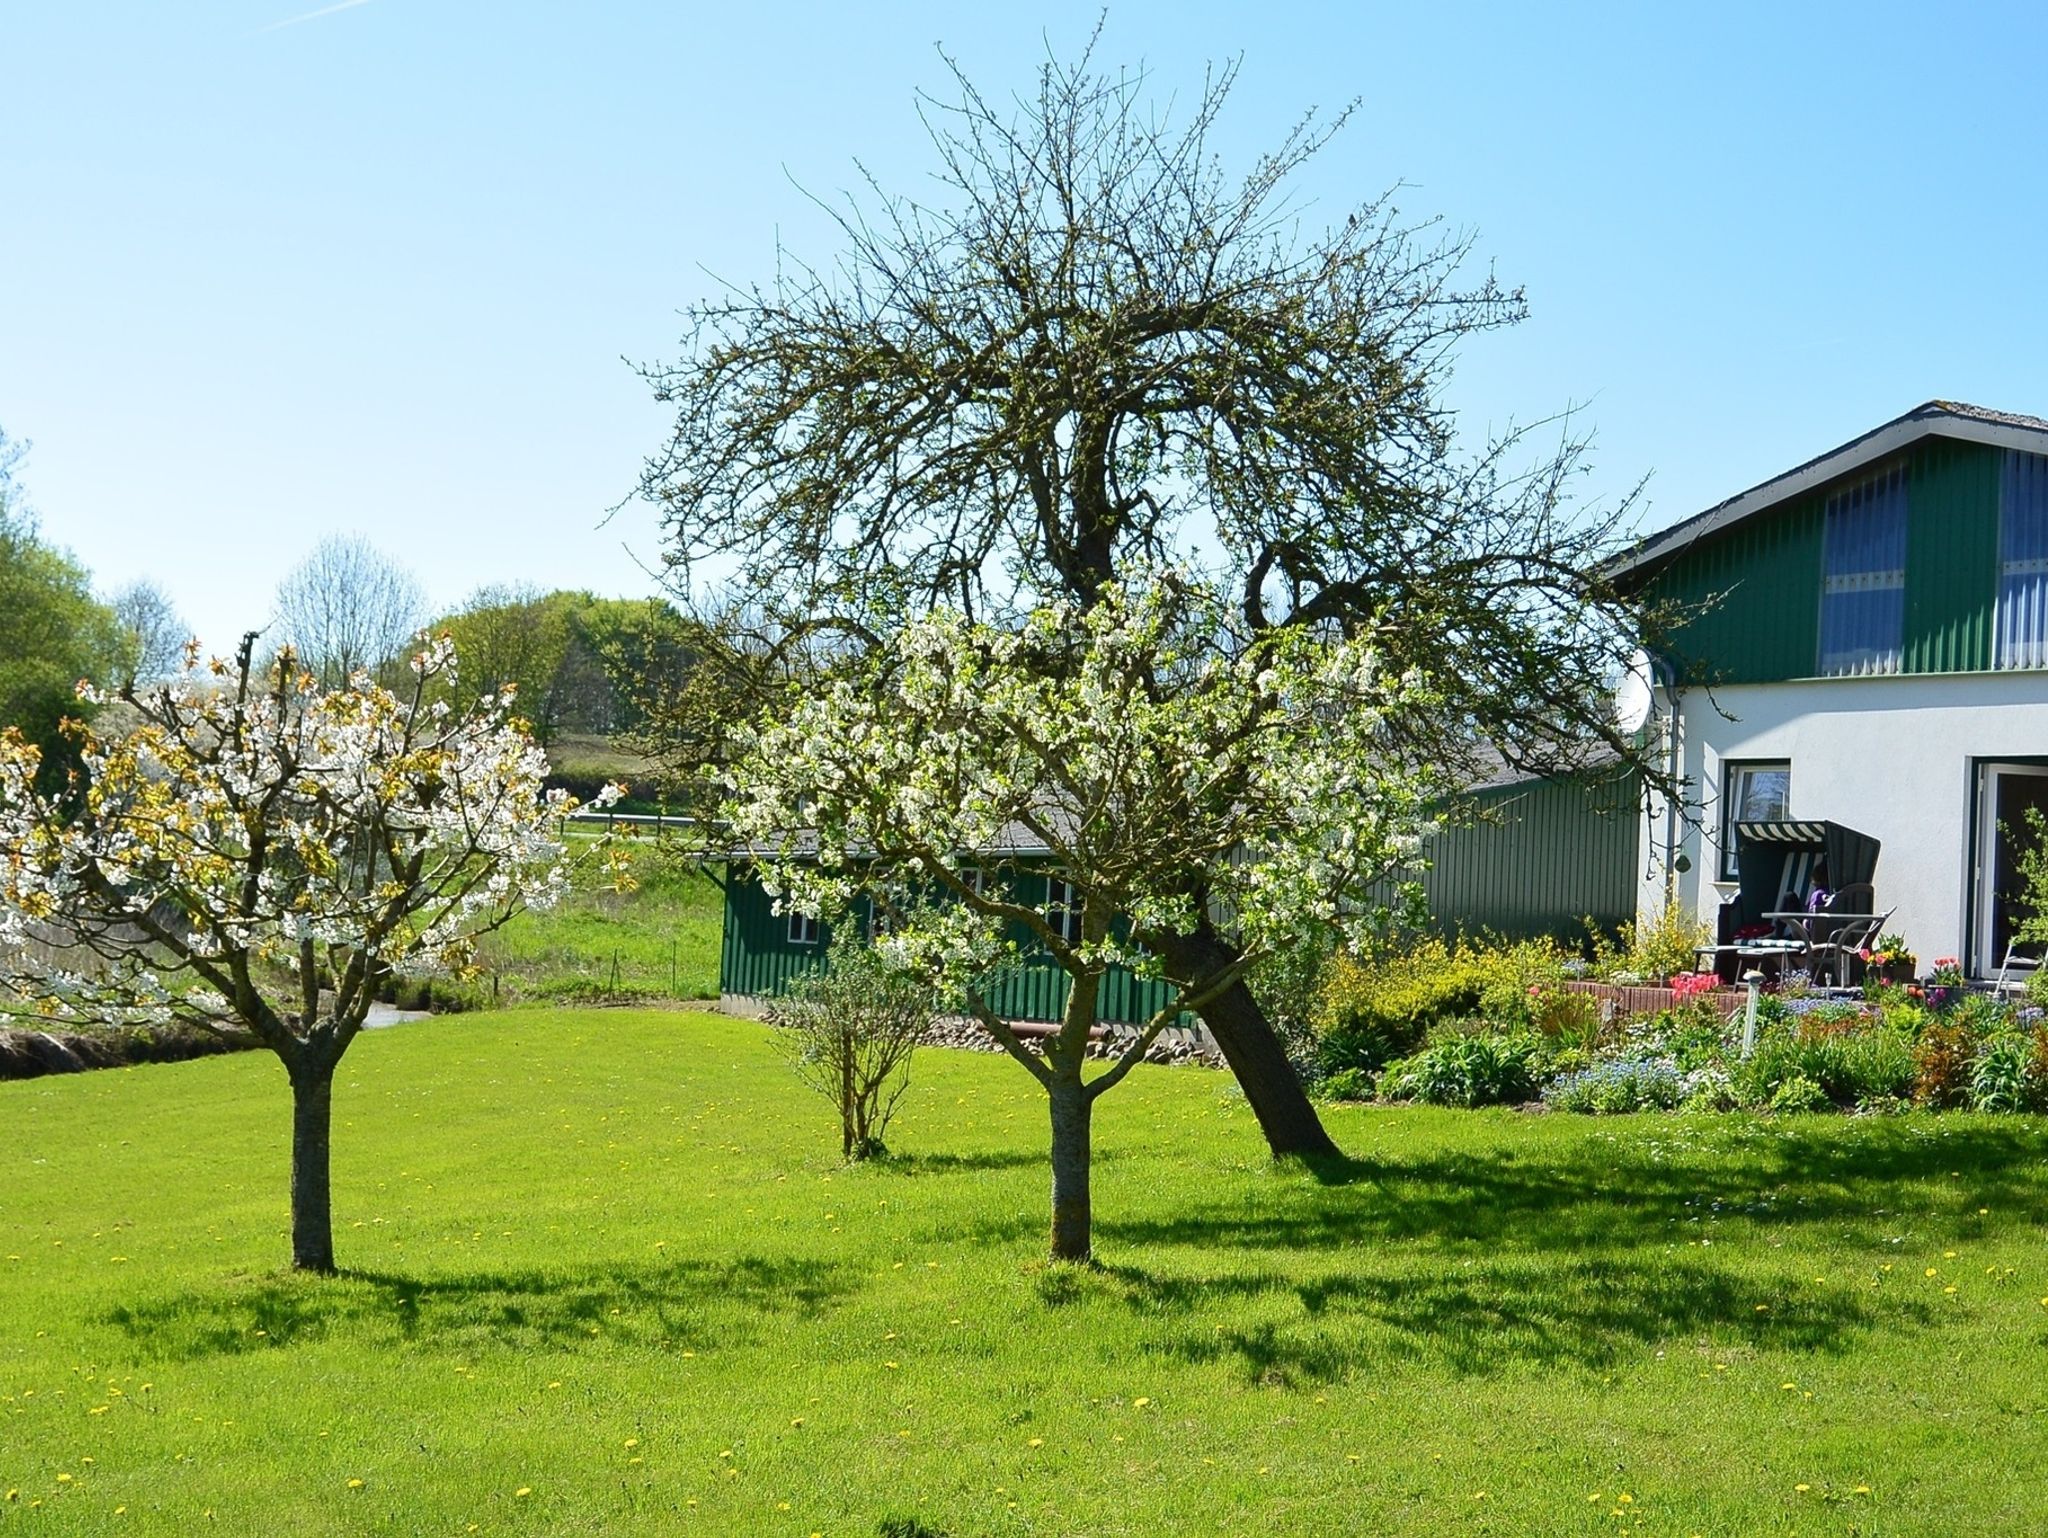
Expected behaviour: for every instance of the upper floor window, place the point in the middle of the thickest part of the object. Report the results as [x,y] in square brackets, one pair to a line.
[1863,591]
[2023,562]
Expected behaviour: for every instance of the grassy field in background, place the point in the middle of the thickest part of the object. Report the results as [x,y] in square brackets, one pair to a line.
[604,1276]
[658,941]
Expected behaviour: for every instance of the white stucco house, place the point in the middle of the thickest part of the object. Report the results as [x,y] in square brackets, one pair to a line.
[1869,647]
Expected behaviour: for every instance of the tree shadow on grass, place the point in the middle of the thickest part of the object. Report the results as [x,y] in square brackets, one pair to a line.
[1592,1313]
[1587,1253]
[1865,1180]
[682,1305]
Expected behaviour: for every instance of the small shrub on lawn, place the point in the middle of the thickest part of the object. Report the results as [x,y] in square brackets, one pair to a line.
[851,1030]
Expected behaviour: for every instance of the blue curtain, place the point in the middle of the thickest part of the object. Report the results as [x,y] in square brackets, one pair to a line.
[2023,562]
[1863,595]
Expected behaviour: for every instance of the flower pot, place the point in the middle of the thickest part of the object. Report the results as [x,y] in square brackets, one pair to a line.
[1899,972]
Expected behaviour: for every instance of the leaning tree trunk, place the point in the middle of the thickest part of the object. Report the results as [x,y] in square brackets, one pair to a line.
[1248,1042]
[312,1142]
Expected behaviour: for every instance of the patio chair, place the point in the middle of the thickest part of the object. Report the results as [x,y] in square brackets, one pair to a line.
[1839,956]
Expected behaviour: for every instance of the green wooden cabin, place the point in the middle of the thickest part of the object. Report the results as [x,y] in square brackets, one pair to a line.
[1547,856]
[762,950]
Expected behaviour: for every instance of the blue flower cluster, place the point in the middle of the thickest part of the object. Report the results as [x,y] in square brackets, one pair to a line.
[1619,1085]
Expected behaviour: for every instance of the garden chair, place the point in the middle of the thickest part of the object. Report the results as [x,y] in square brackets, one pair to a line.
[1840,955]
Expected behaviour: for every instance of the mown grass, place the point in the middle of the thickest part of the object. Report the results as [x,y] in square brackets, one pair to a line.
[604,1276]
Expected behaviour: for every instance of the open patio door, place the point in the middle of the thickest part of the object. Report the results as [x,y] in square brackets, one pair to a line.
[2005,794]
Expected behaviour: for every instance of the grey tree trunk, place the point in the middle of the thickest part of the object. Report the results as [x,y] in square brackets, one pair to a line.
[1235,1018]
[1072,1215]
[312,1142]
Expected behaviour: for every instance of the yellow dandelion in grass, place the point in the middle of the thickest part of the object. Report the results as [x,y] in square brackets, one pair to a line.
[1933,1271]
[1802,1489]
[1625,1499]
[892,1366]
[1949,1290]
[63,1479]
[632,1441]
[796,1420]
[522,1492]
[1863,1489]
[1763,1308]
[1140,1402]
[1036,1442]
[120,1511]
[1948,1254]
[782,1505]
[355,1484]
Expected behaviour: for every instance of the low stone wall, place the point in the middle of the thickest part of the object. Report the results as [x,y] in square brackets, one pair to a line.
[1649,1001]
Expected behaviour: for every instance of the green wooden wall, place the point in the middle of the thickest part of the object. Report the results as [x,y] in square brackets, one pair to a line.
[1766,574]
[758,959]
[1546,856]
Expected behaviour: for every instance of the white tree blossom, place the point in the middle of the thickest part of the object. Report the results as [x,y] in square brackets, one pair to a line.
[260,852]
[1169,760]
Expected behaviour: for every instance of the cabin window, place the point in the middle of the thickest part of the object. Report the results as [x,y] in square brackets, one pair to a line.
[2023,562]
[1752,792]
[1863,591]
[803,929]
[1063,910]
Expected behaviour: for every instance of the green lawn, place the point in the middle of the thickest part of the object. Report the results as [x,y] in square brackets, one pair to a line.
[605,1278]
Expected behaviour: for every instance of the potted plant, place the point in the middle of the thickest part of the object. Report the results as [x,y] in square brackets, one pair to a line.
[1889,961]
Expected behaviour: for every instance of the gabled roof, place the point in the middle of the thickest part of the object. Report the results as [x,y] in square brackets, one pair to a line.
[1936,419]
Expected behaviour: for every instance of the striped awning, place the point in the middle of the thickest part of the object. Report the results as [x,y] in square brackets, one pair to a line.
[1783,832]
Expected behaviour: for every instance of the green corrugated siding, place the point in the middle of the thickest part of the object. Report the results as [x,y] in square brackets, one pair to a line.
[1951,556]
[1760,582]
[1551,854]
[1767,573]
[757,959]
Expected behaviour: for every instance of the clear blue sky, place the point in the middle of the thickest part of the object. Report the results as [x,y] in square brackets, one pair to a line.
[375,270]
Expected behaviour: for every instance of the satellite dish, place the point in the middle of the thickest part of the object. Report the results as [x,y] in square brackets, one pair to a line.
[1634,695]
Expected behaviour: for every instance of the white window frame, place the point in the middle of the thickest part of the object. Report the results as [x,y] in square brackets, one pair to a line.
[1063,909]
[803,928]
[1733,772]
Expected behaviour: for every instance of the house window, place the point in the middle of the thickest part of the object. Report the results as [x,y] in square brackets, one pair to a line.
[2023,562]
[1063,910]
[1756,792]
[1863,584]
[803,929]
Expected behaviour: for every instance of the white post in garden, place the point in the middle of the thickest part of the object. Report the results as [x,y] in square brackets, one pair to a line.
[1754,981]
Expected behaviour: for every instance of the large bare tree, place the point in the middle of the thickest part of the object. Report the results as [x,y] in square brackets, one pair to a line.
[1090,348]
[157,632]
[347,608]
